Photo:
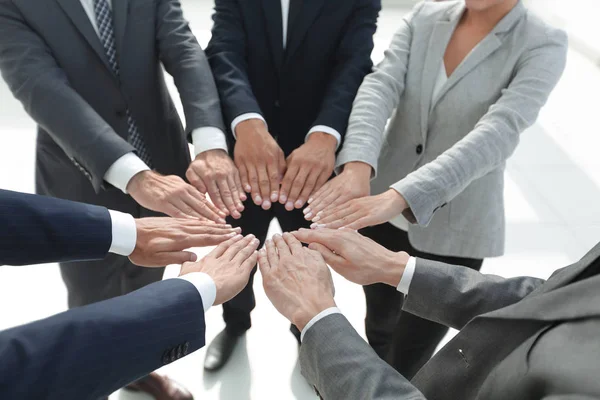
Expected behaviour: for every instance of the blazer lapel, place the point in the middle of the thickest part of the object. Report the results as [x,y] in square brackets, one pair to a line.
[274,26]
[77,14]
[307,15]
[482,51]
[438,42]
[120,13]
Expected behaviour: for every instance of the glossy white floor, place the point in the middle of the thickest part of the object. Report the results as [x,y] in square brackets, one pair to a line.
[552,196]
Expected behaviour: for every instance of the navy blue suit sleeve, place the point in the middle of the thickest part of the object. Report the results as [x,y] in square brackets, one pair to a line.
[352,63]
[89,352]
[38,229]
[226,53]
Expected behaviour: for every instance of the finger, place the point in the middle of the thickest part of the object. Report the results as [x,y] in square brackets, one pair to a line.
[293,243]
[246,252]
[331,238]
[235,188]
[316,200]
[297,186]
[336,213]
[327,205]
[203,207]
[265,186]
[215,196]
[184,209]
[177,257]
[272,255]
[274,180]
[282,247]
[244,178]
[341,222]
[286,184]
[240,188]
[309,186]
[222,248]
[329,256]
[228,198]
[263,262]
[361,223]
[195,180]
[235,248]
[249,263]
[322,192]
[255,187]
[205,240]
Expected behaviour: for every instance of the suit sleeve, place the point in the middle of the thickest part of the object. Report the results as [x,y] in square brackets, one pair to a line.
[341,365]
[452,295]
[39,83]
[89,352]
[352,62]
[227,56]
[186,62]
[38,229]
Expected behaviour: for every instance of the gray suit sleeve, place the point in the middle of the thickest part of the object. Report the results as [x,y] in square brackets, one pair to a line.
[185,61]
[40,84]
[377,99]
[341,365]
[496,135]
[452,295]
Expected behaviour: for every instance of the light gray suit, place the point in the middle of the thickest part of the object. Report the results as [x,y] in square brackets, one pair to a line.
[55,64]
[452,150]
[520,339]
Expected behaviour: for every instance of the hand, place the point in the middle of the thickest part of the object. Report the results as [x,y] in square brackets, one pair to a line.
[260,160]
[352,183]
[356,257]
[229,265]
[363,212]
[308,168]
[214,172]
[161,241]
[172,196]
[296,279]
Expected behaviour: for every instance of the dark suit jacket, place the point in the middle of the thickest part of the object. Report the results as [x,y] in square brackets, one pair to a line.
[91,351]
[520,338]
[312,82]
[55,65]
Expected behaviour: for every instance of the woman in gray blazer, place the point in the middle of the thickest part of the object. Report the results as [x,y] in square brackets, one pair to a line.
[460,82]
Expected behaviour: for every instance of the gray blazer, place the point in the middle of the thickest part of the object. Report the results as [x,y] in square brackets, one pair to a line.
[55,65]
[520,338]
[453,150]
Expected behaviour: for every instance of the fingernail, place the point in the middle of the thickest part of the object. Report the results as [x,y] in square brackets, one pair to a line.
[236,214]
[310,200]
[306,210]
[266,205]
[243,196]
[308,216]
[317,226]
[251,236]
[227,226]
[255,242]
[238,230]
[289,206]
[274,196]
[238,237]
[248,188]
[257,199]
[313,226]
[317,218]
[299,203]
[232,234]
[282,198]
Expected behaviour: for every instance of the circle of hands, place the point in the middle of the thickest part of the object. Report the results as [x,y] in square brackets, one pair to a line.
[296,278]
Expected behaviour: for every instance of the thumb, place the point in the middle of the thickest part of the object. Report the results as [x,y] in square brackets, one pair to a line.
[330,257]
[179,257]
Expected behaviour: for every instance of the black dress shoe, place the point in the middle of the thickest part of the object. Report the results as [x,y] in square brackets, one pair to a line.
[220,350]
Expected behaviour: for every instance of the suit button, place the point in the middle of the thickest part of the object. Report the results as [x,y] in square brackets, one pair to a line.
[186,348]
[419,149]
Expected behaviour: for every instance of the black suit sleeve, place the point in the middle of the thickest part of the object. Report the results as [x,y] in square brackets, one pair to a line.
[186,62]
[352,63]
[39,83]
[37,229]
[89,352]
[227,56]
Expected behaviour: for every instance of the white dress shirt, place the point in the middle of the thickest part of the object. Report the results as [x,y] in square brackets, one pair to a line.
[121,171]
[285,12]
[403,286]
[124,238]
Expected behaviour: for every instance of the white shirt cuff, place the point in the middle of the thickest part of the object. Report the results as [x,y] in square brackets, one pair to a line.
[407,276]
[325,129]
[317,318]
[246,117]
[208,138]
[120,173]
[124,233]
[205,285]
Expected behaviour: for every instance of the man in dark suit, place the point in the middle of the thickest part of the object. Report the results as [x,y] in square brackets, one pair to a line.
[93,350]
[287,72]
[89,73]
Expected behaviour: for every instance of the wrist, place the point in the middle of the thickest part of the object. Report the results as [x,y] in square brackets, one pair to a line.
[359,169]
[215,152]
[395,200]
[323,139]
[303,316]
[250,127]
[394,268]
[138,181]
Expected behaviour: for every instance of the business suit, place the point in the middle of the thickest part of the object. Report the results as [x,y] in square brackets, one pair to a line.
[311,81]
[90,351]
[57,67]
[520,338]
[446,154]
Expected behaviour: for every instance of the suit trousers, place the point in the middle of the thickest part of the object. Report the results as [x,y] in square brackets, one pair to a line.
[405,341]
[256,221]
